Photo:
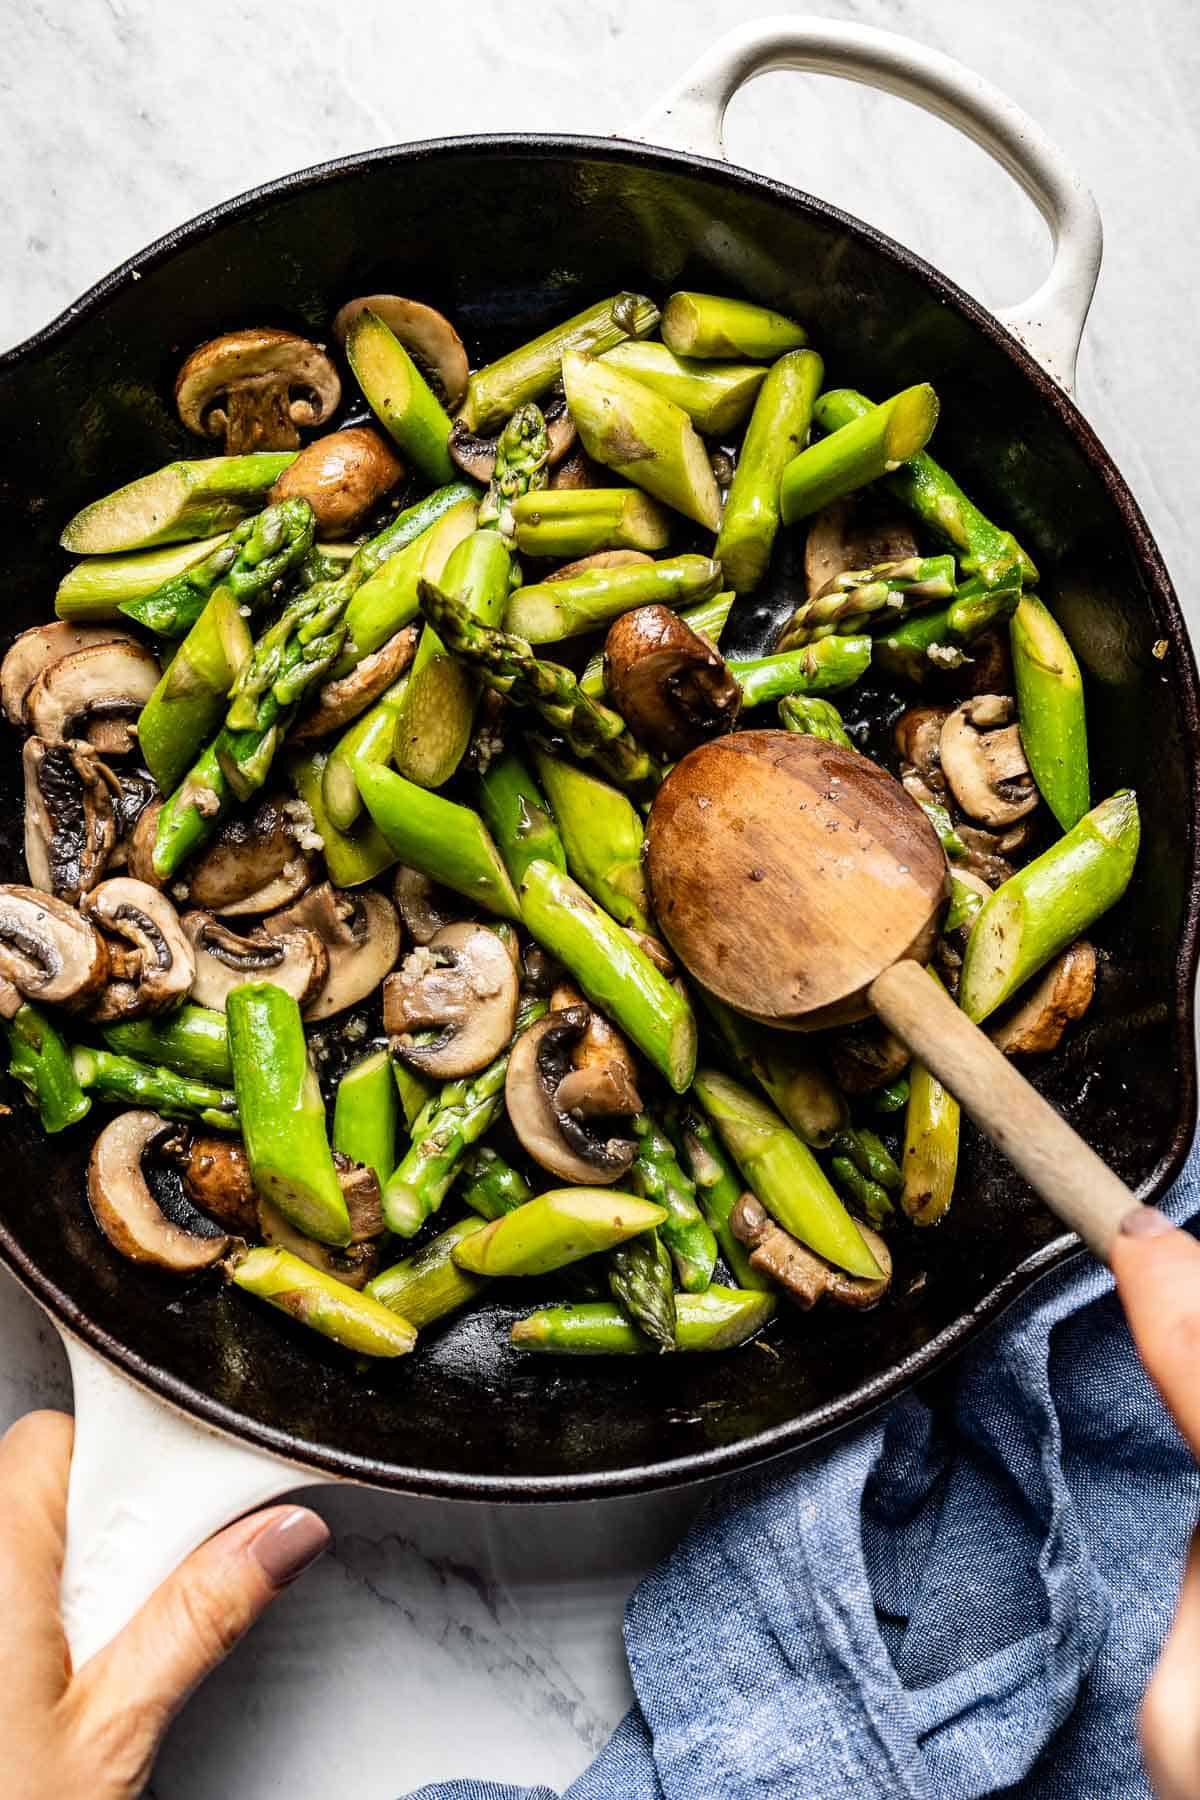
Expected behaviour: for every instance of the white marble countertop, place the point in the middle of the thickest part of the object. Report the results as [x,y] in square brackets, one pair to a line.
[120,120]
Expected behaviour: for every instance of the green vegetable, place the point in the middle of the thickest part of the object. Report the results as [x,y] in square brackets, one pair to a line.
[192,1041]
[1050,708]
[497,390]
[95,590]
[445,841]
[571,522]
[871,599]
[824,667]
[351,857]
[192,695]
[718,1190]
[131,1083]
[602,835]
[719,1319]
[788,1073]
[387,600]
[645,438]
[858,453]
[815,717]
[930,1155]
[429,1285]
[491,1187]
[710,325]
[639,1278]
[355,1321]
[716,396]
[41,1062]
[555,1229]
[364,1115]
[248,563]
[184,500]
[657,1175]
[553,610]
[777,432]
[517,816]
[399,396]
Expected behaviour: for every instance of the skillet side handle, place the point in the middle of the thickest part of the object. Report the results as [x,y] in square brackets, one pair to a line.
[691,118]
[147,1486]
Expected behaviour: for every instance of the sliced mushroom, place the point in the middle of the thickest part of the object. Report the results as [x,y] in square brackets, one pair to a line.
[138,791]
[338,702]
[600,559]
[654,948]
[71,810]
[476,456]
[540,972]
[426,334]
[568,1147]
[1062,994]
[668,682]
[363,1197]
[561,432]
[158,970]
[989,853]
[343,476]
[95,693]
[141,845]
[984,762]
[217,1180]
[424,908]
[254,388]
[866,1056]
[34,652]
[803,1274]
[988,669]
[47,950]
[576,470]
[854,534]
[253,865]
[918,737]
[354,1266]
[127,1212]
[361,936]
[295,960]
[602,1083]
[463,986]
[11,999]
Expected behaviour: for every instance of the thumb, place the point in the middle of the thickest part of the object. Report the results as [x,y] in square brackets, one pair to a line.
[1169,1728]
[194,1619]
[1157,1269]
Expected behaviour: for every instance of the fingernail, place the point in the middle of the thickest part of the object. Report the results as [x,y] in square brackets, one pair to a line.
[288,1545]
[1145,1221]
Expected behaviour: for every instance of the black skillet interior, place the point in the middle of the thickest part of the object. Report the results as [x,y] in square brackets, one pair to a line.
[507,236]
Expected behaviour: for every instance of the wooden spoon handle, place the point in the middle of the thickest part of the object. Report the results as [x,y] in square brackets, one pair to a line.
[1053,1158]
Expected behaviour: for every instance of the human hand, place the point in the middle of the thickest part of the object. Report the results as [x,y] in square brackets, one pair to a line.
[1158,1280]
[93,1733]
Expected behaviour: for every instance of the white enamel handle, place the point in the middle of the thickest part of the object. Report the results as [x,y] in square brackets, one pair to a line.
[147,1485]
[1050,323]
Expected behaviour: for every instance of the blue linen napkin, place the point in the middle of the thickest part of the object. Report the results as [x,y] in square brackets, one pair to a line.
[934,1607]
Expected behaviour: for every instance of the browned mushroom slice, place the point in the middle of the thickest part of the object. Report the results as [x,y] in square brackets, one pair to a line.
[338,702]
[141,845]
[671,686]
[95,693]
[599,559]
[854,534]
[462,988]
[47,950]
[363,1197]
[216,1179]
[256,388]
[342,476]
[474,455]
[561,432]
[654,948]
[426,334]
[984,763]
[917,735]
[34,651]
[361,936]
[804,1275]
[11,999]
[1061,995]
[160,968]
[988,668]
[570,1147]
[71,808]
[866,1056]
[295,960]
[577,470]
[127,1212]
[353,1266]
[602,1083]
[424,908]
[254,864]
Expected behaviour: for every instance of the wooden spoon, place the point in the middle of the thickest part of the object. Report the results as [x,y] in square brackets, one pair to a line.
[798,882]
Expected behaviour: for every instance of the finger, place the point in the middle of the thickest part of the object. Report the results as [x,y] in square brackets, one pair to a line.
[1170,1725]
[129,1691]
[35,1460]
[1158,1278]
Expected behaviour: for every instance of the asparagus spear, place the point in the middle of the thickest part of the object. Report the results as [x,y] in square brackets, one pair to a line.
[719,1319]
[399,396]
[791,1077]
[965,903]
[716,396]
[554,1230]
[189,702]
[437,710]
[497,390]
[1050,708]
[429,1285]
[1049,903]
[492,1187]
[891,1098]
[413,1091]
[552,610]
[709,325]
[869,1155]
[351,857]
[120,1078]
[717,1191]
[41,1062]
[639,1276]
[815,717]
[522,453]
[283,1116]
[858,453]
[93,591]
[571,522]
[255,555]
[453,1119]
[925,488]
[602,836]
[939,638]
[508,666]
[871,599]
[445,841]
[784,1174]
[777,431]
[192,1041]
[684,1230]
[708,618]
[192,813]
[823,667]
[387,600]
[868,1197]
[354,1320]
[930,1158]
[644,437]
[517,816]
[364,1115]
[613,972]
[181,501]
[371,738]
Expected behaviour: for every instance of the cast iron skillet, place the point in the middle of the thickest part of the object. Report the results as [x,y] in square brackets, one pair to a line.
[86,404]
